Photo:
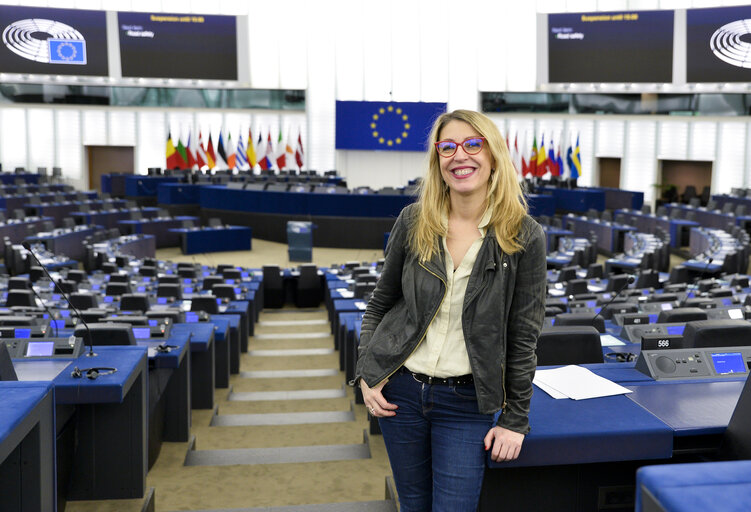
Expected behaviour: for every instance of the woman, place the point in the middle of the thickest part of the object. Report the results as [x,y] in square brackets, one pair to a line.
[448,338]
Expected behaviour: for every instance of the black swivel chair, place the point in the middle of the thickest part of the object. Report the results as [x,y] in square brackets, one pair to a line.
[273,287]
[119,278]
[168,279]
[187,272]
[681,315]
[224,291]
[717,333]
[76,275]
[232,273]
[577,286]
[566,274]
[134,302]
[172,290]
[581,319]
[147,270]
[578,344]
[736,443]
[19,283]
[309,291]
[205,303]
[117,289]
[107,333]
[81,300]
[210,281]
[20,298]
[68,285]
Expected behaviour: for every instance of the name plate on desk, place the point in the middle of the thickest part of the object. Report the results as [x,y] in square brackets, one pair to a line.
[694,363]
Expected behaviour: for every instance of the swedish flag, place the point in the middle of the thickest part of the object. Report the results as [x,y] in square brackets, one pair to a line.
[390,126]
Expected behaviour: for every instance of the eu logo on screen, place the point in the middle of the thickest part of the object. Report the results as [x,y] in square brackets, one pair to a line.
[67,51]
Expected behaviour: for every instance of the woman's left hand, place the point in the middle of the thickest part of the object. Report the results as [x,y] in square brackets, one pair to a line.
[505,444]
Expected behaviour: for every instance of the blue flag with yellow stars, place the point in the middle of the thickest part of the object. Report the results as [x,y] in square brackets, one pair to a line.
[391,126]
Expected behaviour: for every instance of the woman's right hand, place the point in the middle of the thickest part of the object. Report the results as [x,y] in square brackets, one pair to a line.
[375,401]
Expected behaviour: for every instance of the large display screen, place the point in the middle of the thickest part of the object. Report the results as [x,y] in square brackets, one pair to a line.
[628,46]
[718,44]
[160,45]
[53,41]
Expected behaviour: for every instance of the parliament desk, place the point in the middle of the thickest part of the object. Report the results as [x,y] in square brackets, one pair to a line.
[202,362]
[110,218]
[577,199]
[616,198]
[703,486]
[18,230]
[585,452]
[540,204]
[11,178]
[161,228]
[109,455]
[137,246]
[208,239]
[226,332]
[27,447]
[66,241]
[140,186]
[609,234]
[648,223]
[712,218]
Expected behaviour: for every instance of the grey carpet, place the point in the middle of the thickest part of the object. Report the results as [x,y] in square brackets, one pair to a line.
[292,352]
[289,418]
[308,394]
[281,374]
[283,455]
[353,506]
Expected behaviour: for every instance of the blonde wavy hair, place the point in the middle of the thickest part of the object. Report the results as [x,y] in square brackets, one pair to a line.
[504,196]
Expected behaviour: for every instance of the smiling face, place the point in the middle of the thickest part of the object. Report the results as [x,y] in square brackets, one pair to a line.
[466,175]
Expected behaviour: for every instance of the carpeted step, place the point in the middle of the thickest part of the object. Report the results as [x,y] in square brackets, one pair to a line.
[352,506]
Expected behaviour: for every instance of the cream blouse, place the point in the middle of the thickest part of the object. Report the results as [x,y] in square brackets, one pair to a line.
[443,352]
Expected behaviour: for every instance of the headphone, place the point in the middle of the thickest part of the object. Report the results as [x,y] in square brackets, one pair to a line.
[621,357]
[91,373]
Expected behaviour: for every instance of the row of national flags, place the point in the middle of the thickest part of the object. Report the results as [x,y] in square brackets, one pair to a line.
[246,154]
[545,160]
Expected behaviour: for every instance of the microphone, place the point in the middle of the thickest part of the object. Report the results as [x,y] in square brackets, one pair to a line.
[52,317]
[629,281]
[27,246]
[695,284]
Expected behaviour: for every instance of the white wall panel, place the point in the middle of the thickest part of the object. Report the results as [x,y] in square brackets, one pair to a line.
[94,127]
[434,49]
[375,31]
[122,128]
[152,140]
[702,140]
[293,52]
[521,46]
[349,53]
[581,5]
[13,151]
[69,144]
[265,32]
[673,137]
[610,138]
[492,67]
[405,51]
[728,169]
[41,139]
[639,165]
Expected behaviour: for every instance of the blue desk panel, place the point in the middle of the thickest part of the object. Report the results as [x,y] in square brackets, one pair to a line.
[585,431]
[577,199]
[694,408]
[230,238]
[145,186]
[178,193]
[705,486]
[541,205]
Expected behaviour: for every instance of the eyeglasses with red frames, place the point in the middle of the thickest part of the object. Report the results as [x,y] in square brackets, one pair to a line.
[471,146]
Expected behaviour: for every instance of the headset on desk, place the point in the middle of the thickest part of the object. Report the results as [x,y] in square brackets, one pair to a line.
[621,357]
[91,373]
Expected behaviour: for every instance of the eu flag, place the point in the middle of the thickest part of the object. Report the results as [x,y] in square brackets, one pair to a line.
[391,126]
[67,51]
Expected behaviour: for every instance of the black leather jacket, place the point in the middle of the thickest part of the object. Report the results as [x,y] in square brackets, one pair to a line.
[504,307]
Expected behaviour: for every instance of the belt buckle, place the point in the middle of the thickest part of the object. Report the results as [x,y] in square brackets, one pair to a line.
[430,381]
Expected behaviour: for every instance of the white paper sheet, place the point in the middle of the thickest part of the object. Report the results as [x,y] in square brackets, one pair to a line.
[606,340]
[346,294]
[577,383]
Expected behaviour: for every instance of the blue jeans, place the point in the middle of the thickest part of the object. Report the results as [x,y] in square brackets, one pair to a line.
[435,444]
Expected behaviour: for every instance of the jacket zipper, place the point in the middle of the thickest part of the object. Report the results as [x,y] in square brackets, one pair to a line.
[503,387]
[425,332]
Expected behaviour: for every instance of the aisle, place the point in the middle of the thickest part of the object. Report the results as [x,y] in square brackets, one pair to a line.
[286,435]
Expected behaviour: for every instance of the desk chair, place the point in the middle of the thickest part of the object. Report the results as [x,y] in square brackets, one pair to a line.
[76,275]
[662,297]
[273,287]
[134,302]
[576,286]
[616,282]
[187,272]
[608,311]
[568,345]
[205,303]
[106,333]
[717,333]
[594,271]
[232,273]
[67,285]
[20,298]
[210,281]
[36,273]
[19,283]
[168,279]
[224,291]
[117,289]
[148,271]
[558,304]
[175,315]
[648,279]
[678,274]
[581,319]
[681,315]
[119,278]
[139,320]
[7,371]
[364,290]
[123,260]
[108,267]
[309,291]
[81,300]
[566,274]
[173,290]
[224,266]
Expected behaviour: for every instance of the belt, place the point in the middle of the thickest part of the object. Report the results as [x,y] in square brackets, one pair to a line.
[461,380]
